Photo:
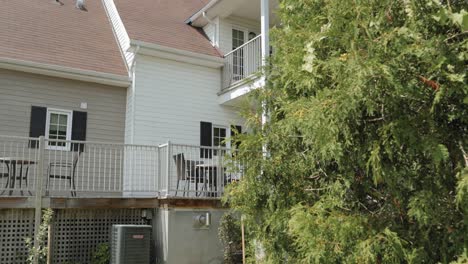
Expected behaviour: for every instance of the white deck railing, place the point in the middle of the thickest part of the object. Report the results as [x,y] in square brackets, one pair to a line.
[196,171]
[242,62]
[97,169]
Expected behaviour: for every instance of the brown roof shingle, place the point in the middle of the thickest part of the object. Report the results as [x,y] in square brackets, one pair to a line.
[45,32]
[163,22]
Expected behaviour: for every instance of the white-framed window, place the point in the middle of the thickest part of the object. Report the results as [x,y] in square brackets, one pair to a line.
[239,37]
[219,137]
[58,127]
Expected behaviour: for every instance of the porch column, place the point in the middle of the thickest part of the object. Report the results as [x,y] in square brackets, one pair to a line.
[265,27]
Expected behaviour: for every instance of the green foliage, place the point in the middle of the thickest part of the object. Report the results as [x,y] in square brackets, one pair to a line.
[41,250]
[229,233]
[462,259]
[366,138]
[101,255]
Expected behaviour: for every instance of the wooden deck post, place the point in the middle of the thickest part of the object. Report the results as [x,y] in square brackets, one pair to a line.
[38,196]
[243,239]
[168,168]
[50,242]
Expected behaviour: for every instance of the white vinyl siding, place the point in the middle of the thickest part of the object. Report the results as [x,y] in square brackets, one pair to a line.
[19,91]
[171,98]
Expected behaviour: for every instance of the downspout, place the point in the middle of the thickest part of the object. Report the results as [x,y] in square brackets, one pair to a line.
[132,67]
[133,72]
[215,34]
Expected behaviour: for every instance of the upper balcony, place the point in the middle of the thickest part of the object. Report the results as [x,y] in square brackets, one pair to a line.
[240,30]
[242,64]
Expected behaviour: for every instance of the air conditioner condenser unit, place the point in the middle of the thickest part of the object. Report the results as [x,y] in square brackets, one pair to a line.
[130,244]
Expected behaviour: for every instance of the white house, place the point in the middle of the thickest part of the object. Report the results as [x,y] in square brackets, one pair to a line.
[190,62]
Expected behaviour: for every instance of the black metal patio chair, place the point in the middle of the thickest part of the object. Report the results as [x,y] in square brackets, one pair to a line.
[187,171]
[70,172]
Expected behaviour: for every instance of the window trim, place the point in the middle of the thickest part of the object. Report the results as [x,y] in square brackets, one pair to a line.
[228,131]
[242,29]
[69,113]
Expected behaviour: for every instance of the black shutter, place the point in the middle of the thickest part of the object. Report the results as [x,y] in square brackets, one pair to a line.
[37,124]
[206,137]
[79,129]
[236,130]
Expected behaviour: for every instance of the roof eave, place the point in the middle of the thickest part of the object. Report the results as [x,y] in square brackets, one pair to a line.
[65,72]
[175,54]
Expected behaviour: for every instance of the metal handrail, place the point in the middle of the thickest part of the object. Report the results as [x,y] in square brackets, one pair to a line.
[243,45]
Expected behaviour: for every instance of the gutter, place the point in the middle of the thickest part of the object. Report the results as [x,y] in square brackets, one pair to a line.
[201,11]
[169,53]
[65,72]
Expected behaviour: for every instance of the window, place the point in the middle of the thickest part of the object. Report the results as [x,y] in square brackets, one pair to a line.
[238,39]
[58,127]
[219,138]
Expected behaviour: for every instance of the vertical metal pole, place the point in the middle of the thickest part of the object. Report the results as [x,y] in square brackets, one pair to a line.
[168,170]
[220,173]
[265,28]
[38,202]
[159,176]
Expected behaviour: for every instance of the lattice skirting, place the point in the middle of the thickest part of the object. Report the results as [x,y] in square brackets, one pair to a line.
[77,233]
[15,226]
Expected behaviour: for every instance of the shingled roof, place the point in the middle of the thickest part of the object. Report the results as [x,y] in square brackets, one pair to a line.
[162,22]
[46,32]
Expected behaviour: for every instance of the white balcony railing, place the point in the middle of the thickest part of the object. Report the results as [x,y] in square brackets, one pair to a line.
[97,169]
[242,62]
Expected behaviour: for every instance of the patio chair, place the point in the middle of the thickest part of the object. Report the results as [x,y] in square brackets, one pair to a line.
[69,169]
[187,171]
[7,176]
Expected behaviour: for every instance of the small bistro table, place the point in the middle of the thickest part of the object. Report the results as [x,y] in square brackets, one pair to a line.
[12,165]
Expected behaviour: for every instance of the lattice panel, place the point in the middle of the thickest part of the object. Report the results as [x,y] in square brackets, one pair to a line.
[15,226]
[77,233]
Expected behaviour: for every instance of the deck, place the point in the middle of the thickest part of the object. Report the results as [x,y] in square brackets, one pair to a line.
[74,173]
[109,203]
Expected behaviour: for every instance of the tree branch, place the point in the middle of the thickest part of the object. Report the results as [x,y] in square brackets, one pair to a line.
[465,156]
[375,119]
[456,35]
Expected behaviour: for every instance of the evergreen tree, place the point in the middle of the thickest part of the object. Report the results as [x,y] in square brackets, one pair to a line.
[367,136]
